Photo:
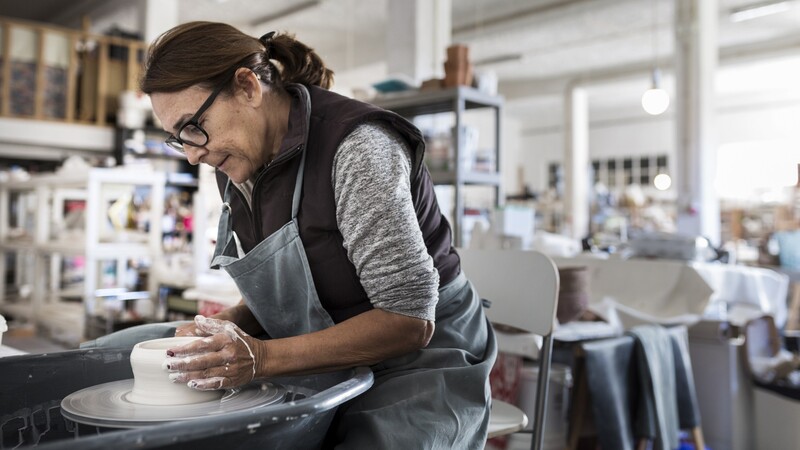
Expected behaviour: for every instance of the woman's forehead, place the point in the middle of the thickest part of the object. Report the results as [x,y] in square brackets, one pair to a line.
[171,106]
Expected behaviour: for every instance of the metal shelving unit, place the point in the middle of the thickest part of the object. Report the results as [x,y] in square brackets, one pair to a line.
[456,100]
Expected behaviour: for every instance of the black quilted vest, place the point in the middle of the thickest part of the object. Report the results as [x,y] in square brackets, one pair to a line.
[332,117]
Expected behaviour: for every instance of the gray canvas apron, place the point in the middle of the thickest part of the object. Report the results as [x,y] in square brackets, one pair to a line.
[433,398]
[274,277]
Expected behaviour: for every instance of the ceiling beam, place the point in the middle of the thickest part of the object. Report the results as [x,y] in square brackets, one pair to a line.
[554,86]
[558,7]
[286,12]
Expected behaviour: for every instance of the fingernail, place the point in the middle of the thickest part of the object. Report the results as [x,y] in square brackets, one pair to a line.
[169,364]
[170,353]
[192,384]
[174,377]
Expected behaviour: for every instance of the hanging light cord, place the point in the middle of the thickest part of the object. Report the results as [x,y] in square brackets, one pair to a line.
[655,40]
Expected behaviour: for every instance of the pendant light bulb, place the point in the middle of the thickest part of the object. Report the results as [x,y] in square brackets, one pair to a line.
[655,100]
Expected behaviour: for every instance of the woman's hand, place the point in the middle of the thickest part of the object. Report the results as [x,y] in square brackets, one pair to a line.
[226,358]
[189,329]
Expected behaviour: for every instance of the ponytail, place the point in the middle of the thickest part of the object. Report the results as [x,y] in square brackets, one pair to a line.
[299,63]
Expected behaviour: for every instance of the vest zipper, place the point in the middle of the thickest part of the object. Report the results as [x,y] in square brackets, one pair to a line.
[256,210]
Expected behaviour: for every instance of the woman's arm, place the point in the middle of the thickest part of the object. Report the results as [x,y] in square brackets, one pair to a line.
[229,357]
[365,339]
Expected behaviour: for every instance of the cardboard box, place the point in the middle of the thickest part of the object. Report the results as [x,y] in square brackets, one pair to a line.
[458,53]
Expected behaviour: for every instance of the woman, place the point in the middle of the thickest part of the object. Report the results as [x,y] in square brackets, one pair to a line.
[332,233]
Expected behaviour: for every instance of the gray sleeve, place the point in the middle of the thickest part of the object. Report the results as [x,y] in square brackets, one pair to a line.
[376,216]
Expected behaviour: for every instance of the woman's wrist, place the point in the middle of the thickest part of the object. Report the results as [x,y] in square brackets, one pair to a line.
[242,317]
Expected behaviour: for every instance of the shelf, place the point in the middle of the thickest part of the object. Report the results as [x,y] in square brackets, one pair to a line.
[64,248]
[48,180]
[17,309]
[117,250]
[451,177]
[75,292]
[18,245]
[100,250]
[415,103]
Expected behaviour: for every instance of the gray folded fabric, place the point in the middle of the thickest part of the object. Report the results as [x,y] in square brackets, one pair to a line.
[658,406]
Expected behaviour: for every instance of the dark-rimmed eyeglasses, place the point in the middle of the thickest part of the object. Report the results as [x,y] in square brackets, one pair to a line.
[191,133]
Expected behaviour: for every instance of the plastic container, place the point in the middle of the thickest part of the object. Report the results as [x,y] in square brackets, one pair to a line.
[3,328]
[557,408]
[34,385]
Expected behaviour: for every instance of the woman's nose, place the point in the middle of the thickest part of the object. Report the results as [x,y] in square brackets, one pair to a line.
[194,154]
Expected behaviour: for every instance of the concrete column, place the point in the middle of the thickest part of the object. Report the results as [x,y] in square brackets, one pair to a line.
[576,162]
[696,56]
[156,17]
[417,36]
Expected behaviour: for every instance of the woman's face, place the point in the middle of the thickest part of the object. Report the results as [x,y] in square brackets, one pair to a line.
[235,134]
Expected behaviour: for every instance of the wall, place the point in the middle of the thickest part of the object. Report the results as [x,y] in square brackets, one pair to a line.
[124,16]
[759,121]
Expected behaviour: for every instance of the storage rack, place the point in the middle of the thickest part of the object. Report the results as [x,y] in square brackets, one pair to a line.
[456,100]
[40,245]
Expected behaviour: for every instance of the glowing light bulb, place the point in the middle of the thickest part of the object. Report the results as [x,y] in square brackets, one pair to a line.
[655,101]
[662,182]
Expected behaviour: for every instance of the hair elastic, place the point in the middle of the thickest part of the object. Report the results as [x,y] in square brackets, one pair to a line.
[267,41]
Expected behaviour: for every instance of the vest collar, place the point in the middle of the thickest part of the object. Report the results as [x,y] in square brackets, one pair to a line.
[299,119]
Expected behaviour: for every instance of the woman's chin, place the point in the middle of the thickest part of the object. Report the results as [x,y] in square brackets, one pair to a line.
[236,177]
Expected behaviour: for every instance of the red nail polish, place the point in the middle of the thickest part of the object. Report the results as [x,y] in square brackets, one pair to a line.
[170,353]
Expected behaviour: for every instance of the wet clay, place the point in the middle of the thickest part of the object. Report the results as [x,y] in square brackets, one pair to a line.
[151,383]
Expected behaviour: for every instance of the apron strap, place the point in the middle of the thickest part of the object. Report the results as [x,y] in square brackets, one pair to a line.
[224,230]
[298,184]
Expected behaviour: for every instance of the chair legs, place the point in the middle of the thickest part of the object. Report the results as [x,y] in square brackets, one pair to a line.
[543,382]
[579,407]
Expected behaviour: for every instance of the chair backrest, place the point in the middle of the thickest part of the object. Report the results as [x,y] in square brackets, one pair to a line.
[522,286]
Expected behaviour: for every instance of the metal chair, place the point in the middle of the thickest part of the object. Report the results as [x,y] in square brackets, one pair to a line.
[522,287]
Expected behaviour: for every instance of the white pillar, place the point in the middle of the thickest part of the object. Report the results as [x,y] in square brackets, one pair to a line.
[576,162]
[696,56]
[156,17]
[417,36]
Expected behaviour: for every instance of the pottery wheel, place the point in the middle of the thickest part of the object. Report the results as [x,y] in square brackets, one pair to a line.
[106,405]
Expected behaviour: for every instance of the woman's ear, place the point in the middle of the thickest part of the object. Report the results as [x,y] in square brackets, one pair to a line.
[248,87]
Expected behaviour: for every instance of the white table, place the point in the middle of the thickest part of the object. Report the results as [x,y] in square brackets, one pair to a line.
[672,291]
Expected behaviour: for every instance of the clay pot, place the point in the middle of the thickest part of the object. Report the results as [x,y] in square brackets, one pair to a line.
[573,293]
[151,383]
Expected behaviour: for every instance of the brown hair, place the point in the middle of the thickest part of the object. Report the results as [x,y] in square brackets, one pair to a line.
[208,53]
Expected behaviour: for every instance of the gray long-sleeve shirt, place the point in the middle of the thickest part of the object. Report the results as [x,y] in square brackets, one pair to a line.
[375,214]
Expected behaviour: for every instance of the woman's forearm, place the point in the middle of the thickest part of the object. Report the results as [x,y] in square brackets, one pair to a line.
[363,340]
